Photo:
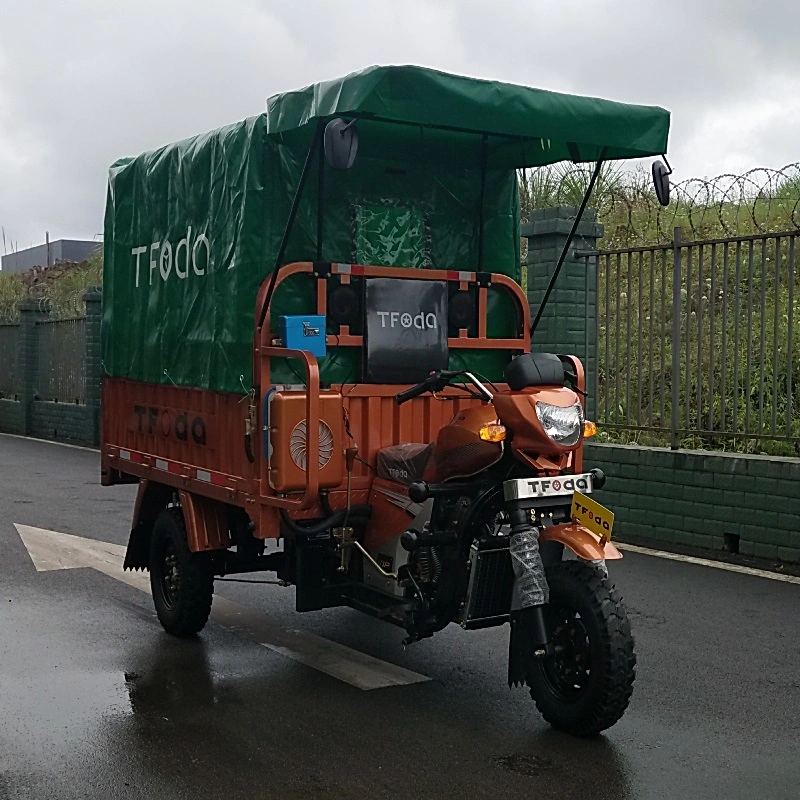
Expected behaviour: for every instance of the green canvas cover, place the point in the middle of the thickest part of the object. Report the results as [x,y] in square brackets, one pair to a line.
[193,228]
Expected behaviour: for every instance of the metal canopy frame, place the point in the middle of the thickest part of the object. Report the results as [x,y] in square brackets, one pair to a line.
[316,142]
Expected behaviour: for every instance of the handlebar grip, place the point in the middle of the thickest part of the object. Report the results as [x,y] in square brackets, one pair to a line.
[410,394]
[435,382]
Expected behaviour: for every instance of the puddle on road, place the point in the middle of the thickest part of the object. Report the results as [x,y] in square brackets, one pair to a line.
[521,764]
[54,718]
[59,708]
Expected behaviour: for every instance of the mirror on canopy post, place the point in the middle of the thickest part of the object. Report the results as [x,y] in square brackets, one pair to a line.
[661,173]
[341,143]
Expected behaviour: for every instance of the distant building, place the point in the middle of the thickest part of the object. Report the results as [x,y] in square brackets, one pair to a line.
[60,250]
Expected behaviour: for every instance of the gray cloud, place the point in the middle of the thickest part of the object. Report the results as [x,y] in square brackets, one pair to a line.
[85,82]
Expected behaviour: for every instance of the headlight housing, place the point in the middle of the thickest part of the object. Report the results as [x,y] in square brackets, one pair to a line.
[562,424]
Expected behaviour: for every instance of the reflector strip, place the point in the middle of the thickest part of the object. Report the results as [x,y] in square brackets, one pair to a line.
[343,269]
[217,478]
[127,455]
[174,467]
[465,276]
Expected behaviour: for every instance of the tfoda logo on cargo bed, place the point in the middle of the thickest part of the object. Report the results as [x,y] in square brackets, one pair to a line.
[172,423]
[190,256]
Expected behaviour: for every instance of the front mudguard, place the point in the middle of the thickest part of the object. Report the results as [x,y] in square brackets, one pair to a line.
[581,541]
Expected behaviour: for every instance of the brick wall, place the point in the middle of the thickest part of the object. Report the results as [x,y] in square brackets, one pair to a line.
[11,417]
[696,498]
[62,422]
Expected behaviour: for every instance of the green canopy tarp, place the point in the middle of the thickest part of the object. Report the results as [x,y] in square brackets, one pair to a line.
[529,127]
[193,228]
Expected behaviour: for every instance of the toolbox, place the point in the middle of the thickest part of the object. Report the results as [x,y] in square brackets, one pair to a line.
[306,332]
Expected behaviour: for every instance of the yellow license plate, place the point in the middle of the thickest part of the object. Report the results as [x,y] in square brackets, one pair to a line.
[589,513]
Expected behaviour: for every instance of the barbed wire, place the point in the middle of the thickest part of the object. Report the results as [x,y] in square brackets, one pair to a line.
[761,200]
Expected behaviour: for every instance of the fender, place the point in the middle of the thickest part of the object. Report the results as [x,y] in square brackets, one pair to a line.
[581,541]
[206,522]
[151,499]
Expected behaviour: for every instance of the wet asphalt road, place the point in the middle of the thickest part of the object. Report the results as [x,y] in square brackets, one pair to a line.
[97,702]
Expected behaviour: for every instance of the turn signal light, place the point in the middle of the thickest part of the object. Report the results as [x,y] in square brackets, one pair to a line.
[493,432]
[589,429]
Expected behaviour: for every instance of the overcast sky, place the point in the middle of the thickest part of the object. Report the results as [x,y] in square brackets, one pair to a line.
[83,82]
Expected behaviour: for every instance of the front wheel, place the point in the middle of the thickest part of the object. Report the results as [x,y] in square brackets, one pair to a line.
[182,582]
[585,686]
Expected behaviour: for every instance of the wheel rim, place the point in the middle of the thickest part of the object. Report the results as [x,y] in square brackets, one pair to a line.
[568,670]
[170,578]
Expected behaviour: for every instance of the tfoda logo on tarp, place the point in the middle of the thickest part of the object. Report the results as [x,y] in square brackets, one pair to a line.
[190,255]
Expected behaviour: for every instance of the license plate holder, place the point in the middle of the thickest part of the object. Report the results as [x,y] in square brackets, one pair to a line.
[527,491]
[593,516]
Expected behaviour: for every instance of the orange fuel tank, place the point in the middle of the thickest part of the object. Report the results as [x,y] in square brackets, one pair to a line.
[459,449]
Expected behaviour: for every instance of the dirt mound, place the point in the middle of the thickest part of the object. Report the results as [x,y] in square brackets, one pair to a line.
[38,280]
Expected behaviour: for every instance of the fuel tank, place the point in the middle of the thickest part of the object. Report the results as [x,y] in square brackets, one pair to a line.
[459,450]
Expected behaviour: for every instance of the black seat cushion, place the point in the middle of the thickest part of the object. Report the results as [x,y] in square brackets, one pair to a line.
[403,463]
[534,369]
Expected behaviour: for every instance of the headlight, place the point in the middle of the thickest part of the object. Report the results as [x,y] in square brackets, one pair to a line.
[562,424]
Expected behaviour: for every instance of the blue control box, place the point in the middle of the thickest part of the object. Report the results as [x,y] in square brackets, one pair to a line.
[304,333]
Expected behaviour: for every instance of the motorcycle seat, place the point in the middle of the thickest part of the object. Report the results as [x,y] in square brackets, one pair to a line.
[403,463]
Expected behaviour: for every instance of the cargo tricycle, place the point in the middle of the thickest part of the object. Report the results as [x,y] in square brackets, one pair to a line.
[319,362]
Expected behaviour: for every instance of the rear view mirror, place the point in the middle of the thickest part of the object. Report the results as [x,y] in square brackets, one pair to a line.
[341,143]
[661,175]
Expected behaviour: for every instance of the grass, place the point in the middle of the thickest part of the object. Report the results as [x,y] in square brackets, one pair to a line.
[760,201]
[64,294]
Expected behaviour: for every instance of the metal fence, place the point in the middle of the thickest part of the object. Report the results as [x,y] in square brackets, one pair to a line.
[62,368]
[8,360]
[699,343]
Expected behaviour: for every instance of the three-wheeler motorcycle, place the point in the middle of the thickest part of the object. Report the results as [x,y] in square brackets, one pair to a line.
[314,333]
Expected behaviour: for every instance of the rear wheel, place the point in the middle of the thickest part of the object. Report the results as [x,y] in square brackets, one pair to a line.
[586,685]
[182,582]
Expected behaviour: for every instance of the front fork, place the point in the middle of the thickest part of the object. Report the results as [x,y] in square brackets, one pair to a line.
[530,637]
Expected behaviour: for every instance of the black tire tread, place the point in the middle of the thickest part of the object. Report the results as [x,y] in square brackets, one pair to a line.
[619,667]
[197,580]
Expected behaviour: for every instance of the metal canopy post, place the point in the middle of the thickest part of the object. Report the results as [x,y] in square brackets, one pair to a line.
[320,194]
[484,161]
[315,142]
[568,243]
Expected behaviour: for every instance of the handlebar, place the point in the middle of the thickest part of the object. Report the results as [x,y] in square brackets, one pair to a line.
[436,381]
[410,394]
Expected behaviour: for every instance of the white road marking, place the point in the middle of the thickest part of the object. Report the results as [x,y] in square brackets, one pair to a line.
[50,441]
[705,562]
[51,550]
